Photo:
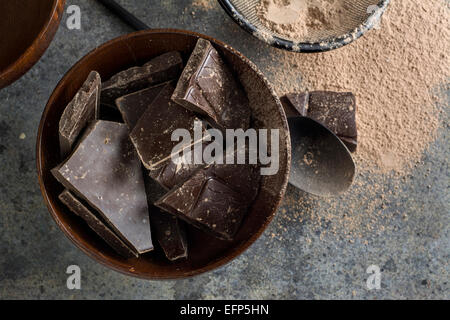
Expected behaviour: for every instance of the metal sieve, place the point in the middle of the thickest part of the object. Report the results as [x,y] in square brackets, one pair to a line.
[359,16]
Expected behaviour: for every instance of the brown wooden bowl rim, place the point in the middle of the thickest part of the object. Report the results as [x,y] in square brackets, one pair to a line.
[34,52]
[100,258]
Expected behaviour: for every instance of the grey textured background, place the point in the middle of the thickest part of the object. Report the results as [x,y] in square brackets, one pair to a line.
[307,252]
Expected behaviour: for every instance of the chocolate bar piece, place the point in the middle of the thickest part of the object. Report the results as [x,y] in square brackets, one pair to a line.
[133,106]
[105,171]
[207,203]
[244,179]
[160,69]
[335,110]
[170,174]
[216,198]
[83,109]
[80,209]
[171,234]
[152,135]
[174,244]
[208,87]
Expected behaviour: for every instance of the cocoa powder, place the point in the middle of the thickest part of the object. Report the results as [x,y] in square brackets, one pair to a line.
[295,19]
[393,71]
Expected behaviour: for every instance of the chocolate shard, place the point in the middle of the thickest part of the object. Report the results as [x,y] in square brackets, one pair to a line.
[88,215]
[133,105]
[174,245]
[171,174]
[335,110]
[83,109]
[244,179]
[152,135]
[170,233]
[208,87]
[181,200]
[160,69]
[216,198]
[105,171]
[208,204]
[295,104]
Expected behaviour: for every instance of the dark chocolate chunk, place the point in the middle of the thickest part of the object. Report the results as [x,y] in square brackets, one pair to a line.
[171,234]
[208,87]
[295,104]
[152,134]
[105,171]
[181,200]
[171,174]
[133,106]
[244,179]
[208,204]
[160,69]
[220,209]
[335,110]
[80,209]
[175,244]
[232,189]
[83,109]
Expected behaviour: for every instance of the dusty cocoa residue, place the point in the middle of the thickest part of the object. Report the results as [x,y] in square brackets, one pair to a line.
[295,19]
[203,4]
[394,73]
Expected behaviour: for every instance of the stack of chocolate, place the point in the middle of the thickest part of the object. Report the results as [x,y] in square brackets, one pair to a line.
[109,165]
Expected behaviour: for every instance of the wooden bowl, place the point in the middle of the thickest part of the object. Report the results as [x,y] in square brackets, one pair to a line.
[205,253]
[26,29]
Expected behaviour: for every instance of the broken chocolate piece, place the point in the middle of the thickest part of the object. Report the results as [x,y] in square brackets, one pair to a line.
[83,109]
[220,209]
[181,200]
[160,69]
[244,179]
[175,244]
[133,106]
[208,204]
[171,174]
[232,185]
[295,104]
[208,87]
[80,209]
[171,234]
[105,171]
[152,135]
[335,110]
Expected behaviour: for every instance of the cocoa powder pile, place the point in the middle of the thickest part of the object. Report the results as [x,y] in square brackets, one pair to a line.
[296,19]
[394,72]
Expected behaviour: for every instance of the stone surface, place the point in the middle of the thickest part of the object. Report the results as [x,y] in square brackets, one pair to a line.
[311,250]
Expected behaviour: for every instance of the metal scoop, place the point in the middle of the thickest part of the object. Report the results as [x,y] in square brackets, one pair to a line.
[321,164]
[355,19]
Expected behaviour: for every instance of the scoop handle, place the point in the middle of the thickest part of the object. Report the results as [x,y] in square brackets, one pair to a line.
[124,14]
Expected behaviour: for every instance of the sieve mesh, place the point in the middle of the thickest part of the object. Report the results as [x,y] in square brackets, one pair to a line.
[356,14]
